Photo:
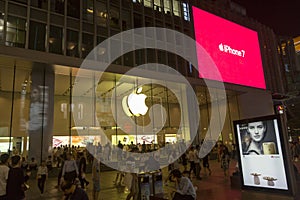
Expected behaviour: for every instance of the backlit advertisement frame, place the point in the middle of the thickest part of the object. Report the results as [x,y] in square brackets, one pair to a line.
[263,168]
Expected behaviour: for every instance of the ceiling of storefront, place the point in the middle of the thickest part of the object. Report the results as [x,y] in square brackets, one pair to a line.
[106,86]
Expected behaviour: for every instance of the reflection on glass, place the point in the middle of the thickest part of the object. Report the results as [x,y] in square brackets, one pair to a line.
[87,44]
[186,11]
[137,20]
[57,6]
[157,5]
[43,4]
[55,39]
[167,6]
[21,1]
[101,14]
[126,20]
[176,8]
[114,17]
[72,43]
[88,10]
[5,106]
[37,34]
[73,8]
[148,3]
[1,26]
[15,32]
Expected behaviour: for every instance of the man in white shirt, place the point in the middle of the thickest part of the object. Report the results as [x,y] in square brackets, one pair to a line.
[4,169]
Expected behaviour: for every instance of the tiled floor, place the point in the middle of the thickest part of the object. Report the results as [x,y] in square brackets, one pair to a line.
[214,187]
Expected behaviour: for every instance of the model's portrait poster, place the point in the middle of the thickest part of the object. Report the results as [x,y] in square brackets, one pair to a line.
[260,152]
[258,138]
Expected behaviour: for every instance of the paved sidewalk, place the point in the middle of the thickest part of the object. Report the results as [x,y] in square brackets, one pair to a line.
[214,187]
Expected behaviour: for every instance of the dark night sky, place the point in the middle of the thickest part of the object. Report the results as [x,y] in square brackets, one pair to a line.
[283,16]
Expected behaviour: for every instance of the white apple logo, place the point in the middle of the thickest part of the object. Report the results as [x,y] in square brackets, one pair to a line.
[134,104]
[221,47]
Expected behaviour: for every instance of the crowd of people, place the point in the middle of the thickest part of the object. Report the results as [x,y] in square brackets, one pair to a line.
[15,172]
[72,162]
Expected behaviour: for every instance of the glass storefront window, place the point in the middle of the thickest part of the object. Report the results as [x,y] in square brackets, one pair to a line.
[101,14]
[186,12]
[148,3]
[167,6]
[114,18]
[16,32]
[43,4]
[6,78]
[37,34]
[126,20]
[21,1]
[137,20]
[55,40]
[21,118]
[176,8]
[40,87]
[88,10]
[157,5]
[87,44]
[73,8]
[57,6]
[1,27]
[139,57]
[72,43]
[62,107]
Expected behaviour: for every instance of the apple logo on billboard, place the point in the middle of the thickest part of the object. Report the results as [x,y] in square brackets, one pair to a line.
[221,47]
[134,104]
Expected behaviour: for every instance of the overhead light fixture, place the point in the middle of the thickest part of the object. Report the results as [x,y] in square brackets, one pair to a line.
[90,10]
[78,128]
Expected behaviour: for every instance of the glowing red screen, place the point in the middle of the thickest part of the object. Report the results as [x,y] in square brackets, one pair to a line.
[234,49]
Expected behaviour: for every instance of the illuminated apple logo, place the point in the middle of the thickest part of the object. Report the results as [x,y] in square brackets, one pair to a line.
[221,47]
[134,104]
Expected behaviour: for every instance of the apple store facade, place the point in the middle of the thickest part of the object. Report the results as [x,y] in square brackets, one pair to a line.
[39,109]
[43,105]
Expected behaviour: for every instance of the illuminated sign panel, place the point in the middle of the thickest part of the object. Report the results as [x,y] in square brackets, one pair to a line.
[262,154]
[234,49]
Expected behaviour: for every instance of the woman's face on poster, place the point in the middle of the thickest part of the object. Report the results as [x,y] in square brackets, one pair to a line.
[256,130]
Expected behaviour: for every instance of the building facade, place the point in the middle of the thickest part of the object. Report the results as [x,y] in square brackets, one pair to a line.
[42,46]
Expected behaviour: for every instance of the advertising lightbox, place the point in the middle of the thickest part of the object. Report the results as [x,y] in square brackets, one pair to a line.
[262,154]
[234,49]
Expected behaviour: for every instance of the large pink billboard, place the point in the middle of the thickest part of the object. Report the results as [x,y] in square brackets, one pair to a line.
[234,49]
